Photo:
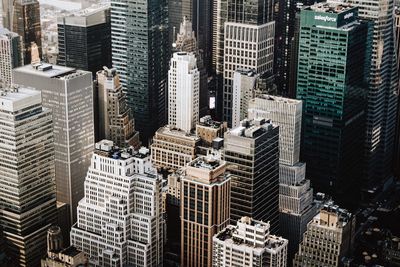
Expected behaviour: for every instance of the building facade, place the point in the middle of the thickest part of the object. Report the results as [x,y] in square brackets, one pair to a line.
[119,220]
[141,54]
[10,54]
[186,42]
[247,47]
[26,23]
[252,154]
[382,93]
[183,92]
[249,243]
[113,117]
[334,108]
[84,39]
[28,192]
[205,190]
[69,94]
[331,231]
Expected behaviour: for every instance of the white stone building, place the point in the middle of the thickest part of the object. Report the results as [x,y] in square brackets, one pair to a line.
[11,55]
[120,219]
[183,92]
[247,47]
[249,243]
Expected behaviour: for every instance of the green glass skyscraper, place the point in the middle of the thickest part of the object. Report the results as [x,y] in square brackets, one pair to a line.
[332,80]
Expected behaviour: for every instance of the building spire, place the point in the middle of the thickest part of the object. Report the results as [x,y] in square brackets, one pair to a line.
[35,54]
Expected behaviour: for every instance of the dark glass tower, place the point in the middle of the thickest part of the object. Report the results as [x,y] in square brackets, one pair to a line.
[84,40]
[252,153]
[26,22]
[332,81]
[140,51]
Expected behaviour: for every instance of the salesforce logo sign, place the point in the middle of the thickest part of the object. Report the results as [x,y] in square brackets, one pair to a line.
[325,18]
[348,15]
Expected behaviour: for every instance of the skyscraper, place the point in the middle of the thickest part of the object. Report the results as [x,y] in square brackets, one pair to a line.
[26,23]
[332,81]
[10,54]
[382,93]
[246,12]
[252,153]
[183,92]
[119,219]
[249,243]
[69,94]
[28,200]
[113,117]
[186,42]
[248,47]
[205,190]
[84,39]
[140,52]
[6,7]
[295,195]
[329,238]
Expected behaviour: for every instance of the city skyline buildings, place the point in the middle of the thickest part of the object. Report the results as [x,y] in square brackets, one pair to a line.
[11,55]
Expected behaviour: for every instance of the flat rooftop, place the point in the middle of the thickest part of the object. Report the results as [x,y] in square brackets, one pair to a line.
[46,70]
[173,132]
[16,98]
[205,163]
[278,99]
[331,7]
[252,128]
[106,148]
[207,121]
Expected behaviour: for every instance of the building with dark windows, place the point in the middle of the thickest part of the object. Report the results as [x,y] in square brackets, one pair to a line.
[26,23]
[141,56]
[252,153]
[28,193]
[10,54]
[332,81]
[84,39]
[382,95]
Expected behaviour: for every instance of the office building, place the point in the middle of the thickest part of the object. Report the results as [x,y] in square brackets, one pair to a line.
[60,256]
[140,53]
[119,220]
[249,243]
[334,107]
[69,94]
[26,23]
[186,42]
[6,8]
[295,194]
[328,239]
[396,162]
[245,12]
[247,47]
[205,190]
[183,92]
[84,39]
[113,117]
[10,54]
[382,93]
[172,148]
[243,89]
[252,154]
[28,205]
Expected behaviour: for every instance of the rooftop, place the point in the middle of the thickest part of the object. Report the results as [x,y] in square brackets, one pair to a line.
[206,163]
[106,148]
[71,251]
[167,130]
[5,31]
[249,73]
[252,128]
[278,99]
[331,7]
[15,98]
[92,15]
[207,121]
[47,70]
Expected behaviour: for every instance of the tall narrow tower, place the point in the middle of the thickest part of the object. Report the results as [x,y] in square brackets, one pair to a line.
[10,54]
[27,183]
[183,92]
[140,52]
